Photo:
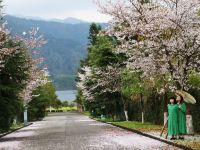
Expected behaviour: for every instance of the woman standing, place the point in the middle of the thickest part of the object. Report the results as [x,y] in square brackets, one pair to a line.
[181,117]
[173,119]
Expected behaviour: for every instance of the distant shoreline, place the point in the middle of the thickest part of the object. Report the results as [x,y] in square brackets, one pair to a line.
[64,90]
[67,95]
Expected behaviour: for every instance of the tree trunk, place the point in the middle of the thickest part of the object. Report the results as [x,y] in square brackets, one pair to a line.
[15,120]
[189,122]
[142,117]
[25,116]
[142,106]
[126,114]
[113,117]
[165,108]
[125,107]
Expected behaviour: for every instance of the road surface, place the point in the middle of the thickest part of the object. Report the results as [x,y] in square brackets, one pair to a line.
[72,131]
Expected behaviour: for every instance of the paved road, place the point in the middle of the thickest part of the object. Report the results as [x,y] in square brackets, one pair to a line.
[71,131]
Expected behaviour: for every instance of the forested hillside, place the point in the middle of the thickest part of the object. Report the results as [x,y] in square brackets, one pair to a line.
[66,46]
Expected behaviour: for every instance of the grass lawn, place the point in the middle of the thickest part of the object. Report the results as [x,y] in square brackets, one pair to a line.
[143,127]
[63,109]
[138,125]
[13,128]
[16,126]
[87,113]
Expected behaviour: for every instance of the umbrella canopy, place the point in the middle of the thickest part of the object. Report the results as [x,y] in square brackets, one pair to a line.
[186,96]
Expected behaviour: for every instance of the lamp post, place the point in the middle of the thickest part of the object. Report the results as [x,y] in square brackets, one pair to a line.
[25,115]
[26,111]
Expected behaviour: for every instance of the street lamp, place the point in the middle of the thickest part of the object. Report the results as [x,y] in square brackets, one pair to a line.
[25,115]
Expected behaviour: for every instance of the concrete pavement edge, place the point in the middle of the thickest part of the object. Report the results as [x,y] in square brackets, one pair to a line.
[14,130]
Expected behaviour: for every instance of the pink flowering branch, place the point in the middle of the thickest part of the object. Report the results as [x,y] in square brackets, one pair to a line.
[37,76]
[159,37]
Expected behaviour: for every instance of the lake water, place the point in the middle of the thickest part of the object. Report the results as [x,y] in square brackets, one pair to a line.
[69,95]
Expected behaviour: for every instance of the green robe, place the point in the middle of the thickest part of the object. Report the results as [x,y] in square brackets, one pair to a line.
[182,119]
[173,119]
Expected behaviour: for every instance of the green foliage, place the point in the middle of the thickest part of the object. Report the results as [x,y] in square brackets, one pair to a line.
[194,81]
[153,106]
[195,109]
[132,83]
[101,54]
[140,94]
[45,97]
[65,104]
[112,104]
[79,97]
[93,32]
[12,78]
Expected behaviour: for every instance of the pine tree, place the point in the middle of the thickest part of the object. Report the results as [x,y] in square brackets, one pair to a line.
[12,78]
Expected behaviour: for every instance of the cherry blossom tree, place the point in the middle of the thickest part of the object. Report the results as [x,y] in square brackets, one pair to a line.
[100,81]
[159,36]
[36,75]
[83,77]
[31,41]
[110,81]
[4,52]
[20,65]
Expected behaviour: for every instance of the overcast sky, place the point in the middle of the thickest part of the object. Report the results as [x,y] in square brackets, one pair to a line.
[59,9]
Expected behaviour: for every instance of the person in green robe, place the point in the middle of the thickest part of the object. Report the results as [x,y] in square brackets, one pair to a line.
[181,117]
[173,130]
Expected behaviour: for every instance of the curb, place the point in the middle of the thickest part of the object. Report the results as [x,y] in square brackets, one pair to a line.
[147,135]
[154,137]
[9,132]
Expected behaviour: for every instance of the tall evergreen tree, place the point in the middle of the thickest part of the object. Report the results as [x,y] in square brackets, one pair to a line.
[12,78]
[93,32]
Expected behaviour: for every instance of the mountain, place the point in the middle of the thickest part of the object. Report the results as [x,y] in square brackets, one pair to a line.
[67,44]
[69,20]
